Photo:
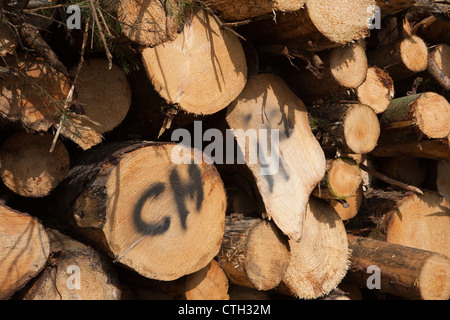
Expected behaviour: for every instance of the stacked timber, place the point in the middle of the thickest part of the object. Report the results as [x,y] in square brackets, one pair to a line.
[225,150]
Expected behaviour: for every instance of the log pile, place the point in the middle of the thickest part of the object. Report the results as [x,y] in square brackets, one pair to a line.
[217,150]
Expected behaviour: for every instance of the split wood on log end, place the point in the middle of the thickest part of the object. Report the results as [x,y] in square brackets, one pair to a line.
[104,94]
[344,67]
[28,168]
[421,222]
[339,24]
[410,219]
[351,207]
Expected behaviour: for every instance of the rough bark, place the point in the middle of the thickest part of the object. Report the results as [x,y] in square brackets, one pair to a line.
[236,10]
[401,59]
[428,114]
[254,253]
[404,271]
[344,68]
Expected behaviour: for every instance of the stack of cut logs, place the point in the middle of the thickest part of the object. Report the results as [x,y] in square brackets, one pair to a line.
[350,201]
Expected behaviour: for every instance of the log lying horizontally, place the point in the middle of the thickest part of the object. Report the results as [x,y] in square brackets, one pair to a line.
[392,7]
[323,25]
[209,283]
[284,182]
[75,272]
[33,94]
[402,59]
[353,128]
[341,181]
[133,202]
[404,271]
[235,10]
[28,168]
[254,253]
[350,208]
[25,250]
[427,113]
[433,30]
[319,261]
[418,221]
[409,170]
[408,144]
[377,90]
[343,68]
[150,23]
[202,71]
[99,91]
[439,65]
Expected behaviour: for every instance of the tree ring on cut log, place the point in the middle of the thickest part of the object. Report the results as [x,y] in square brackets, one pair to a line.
[28,168]
[105,95]
[202,71]
[336,21]
[35,96]
[431,285]
[412,52]
[157,218]
[319,261]
[25,250]
[147,22]
[377,90]
[361,129]
[257,251]
[436,123]
[344,178]
[422,222]
[349,65]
